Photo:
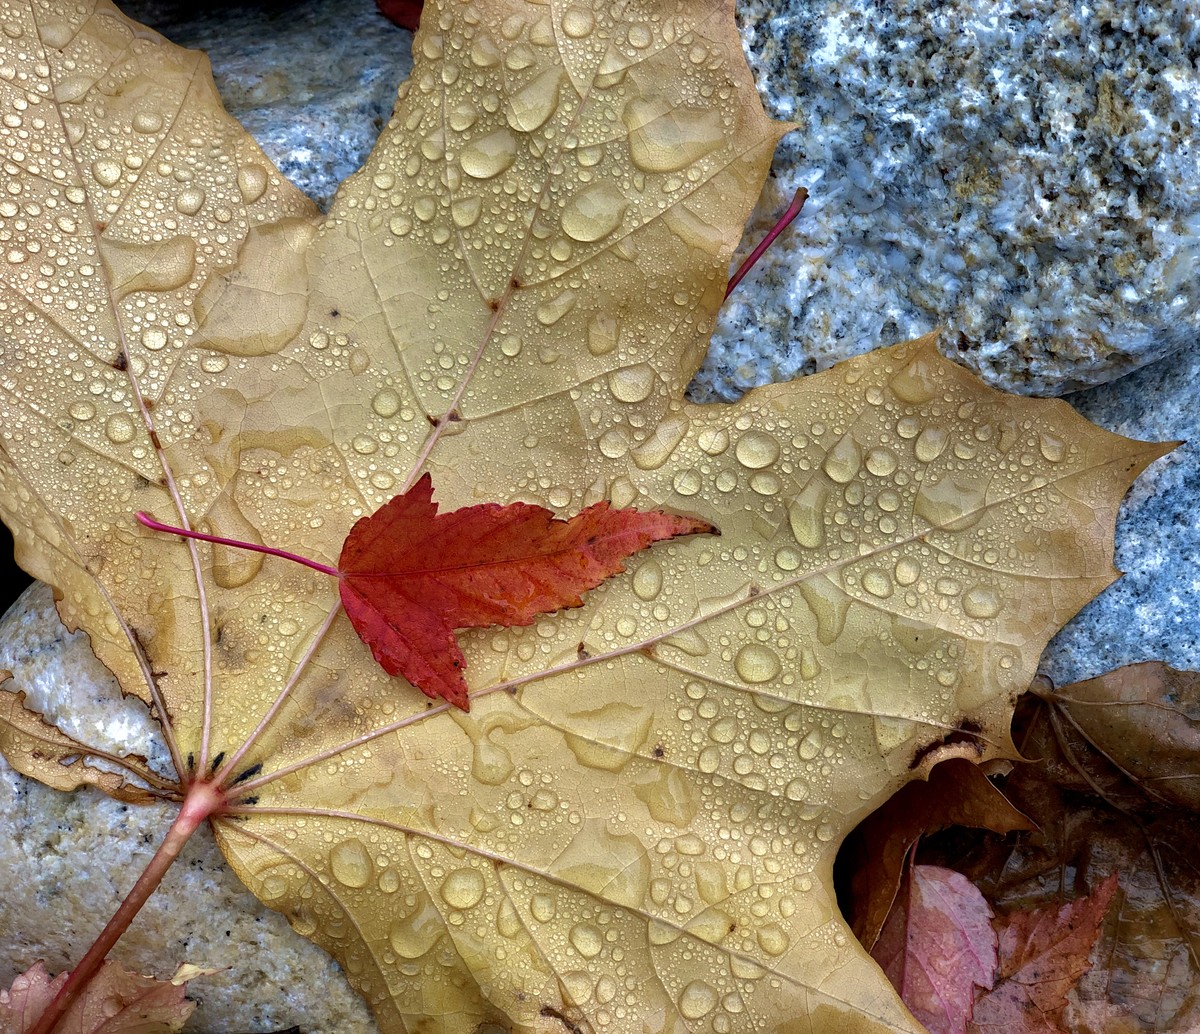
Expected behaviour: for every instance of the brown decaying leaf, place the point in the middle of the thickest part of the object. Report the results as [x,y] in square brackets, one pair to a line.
[635,826]
[871,860]
[1145,718]
[1043,952]
[116,1002]
[1094,821]
[937,946]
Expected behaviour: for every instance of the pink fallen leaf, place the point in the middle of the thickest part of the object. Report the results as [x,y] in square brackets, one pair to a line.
[117,1001]
[937,945]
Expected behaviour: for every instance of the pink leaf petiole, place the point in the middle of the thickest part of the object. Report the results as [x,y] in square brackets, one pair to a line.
[784,222]
[147,521]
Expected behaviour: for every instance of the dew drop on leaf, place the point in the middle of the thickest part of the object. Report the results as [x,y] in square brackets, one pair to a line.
[350,863]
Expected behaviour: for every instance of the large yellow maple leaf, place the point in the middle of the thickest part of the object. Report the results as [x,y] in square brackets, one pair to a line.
[634,828]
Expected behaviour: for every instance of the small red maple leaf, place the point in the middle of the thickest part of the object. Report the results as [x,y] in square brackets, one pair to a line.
[409,576]
[405,13]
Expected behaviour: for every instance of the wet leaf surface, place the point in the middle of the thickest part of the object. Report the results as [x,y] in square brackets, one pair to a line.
[636,824]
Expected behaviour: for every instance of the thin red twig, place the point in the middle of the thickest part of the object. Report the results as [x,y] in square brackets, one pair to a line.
[784,222]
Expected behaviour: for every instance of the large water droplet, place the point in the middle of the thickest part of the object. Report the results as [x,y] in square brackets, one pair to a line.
[107,171]
[981,603]
[756,449]
[603,333]
[463,888]
[698,999]
[587,940]
[757,663]
[489,155]
[252,182]
[120,428]
[578,22]
[632,383]
[664,137]
[806,515]
[772,940]
[350,863]
[594,212]
[843,460]
[412,936]
[930,444]
[532,105]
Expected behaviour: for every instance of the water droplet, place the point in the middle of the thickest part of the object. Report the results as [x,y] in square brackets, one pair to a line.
[1052,447]
[648,580]
[640,36]
[543,907]
[806,515]
[147,121]
[950,504]
[632,383]
[907,571]
[412,936]
[843,460]
[350,863]
[602,334]
[713,440]
[154,338]
[272,888]
[930,444]
[755,450]
[981,602]
[916,383]
[796,790]
[877,583]
[491,764]
[463,888]
[881,462]
[120,428]
[594,212]
[489,155]
[551,312]
[532,105]
[577,22]
[665,137]
[577,986]
[587,940]
[772,940]
[252,182]
[107,171]
[465,211]
[687,481]
[697,1000]
[756,663]
[82,410]
[386,403]
[189,201]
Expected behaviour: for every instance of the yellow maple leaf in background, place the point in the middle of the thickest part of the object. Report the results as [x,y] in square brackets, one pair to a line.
[635,826]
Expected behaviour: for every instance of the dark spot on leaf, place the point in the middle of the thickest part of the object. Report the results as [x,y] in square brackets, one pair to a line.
[253,770]
[554,1014]
[216,762]
[121,362]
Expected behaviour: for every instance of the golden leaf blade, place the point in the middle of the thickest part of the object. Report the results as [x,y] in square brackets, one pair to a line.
[635,826]
[37,749]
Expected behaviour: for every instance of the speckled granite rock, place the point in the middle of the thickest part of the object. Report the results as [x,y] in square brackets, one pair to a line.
[1022,173]
[68,859]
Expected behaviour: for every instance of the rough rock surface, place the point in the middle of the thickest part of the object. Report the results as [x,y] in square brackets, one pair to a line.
[1022,173]
[1030,190]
